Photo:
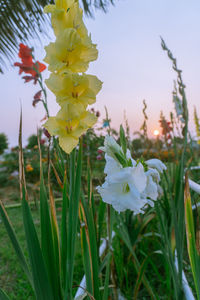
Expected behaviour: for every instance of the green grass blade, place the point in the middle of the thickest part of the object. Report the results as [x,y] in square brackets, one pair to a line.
[3,295]
[139,278]
[94,258]
[167,250]
[86,259]
[15,243]
[56,243]
[47,244]
[104,263]
[72,163]
[191,241]
[75,187]
[50,255]
[101,216]
[89,183]
[59,156]
[42,287]
[179,231]
[56,175]
[123,233]
[123,140]
[64,230]
[106,282]
[90,193]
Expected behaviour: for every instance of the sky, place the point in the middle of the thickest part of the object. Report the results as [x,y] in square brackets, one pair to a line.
[131,64]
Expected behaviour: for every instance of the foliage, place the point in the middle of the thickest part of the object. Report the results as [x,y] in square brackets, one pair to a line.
[3,143]
[32,141]
[192,238]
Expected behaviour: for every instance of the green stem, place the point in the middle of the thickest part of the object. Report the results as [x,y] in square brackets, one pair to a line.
[45,104]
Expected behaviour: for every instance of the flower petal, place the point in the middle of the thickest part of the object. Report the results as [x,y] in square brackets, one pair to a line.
[157,164]
[138,177]
[68,143]
[112,166]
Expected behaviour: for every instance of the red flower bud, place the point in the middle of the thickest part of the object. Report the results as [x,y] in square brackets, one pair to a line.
[99,157]
[42,141]
[46,133]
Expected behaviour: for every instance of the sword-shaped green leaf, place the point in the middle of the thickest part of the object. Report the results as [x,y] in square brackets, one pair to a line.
[191,241]
[14,241]
[42,287]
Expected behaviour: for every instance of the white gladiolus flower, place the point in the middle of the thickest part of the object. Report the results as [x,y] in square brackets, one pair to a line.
[123,189]
[111,147]
[132,186]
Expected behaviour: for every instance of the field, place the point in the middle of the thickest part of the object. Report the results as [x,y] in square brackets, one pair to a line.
[140,248]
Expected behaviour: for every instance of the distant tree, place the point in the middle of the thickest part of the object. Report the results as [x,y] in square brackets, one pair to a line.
[158,144]
[178,140]
[32,141]
[137,144]
[3,143]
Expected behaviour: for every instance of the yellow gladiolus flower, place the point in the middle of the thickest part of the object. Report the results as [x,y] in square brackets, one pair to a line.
[66,14]
[60,4]
[69,55]
[69,124]
[74,88]
[70,52]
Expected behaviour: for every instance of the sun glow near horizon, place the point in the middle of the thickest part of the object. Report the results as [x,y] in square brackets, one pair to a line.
[156,132]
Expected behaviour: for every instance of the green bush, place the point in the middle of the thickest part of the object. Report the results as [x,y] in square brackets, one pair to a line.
[3,143]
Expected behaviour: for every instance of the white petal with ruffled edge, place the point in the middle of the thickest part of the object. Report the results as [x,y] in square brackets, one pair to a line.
[156,164]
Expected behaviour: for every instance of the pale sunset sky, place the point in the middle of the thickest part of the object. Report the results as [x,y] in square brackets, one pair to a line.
[131,65]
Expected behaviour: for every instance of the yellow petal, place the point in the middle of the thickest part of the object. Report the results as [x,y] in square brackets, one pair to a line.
[94,83]
[50,8]
[66,14]
[89,119]
[89,53]
[70,112]
[55,84]
[70,53]
[52,126]
[74,88]
[68,143]
[64,3]
[64,52]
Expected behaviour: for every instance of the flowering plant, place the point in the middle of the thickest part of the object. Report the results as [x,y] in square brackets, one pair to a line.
[27,64]
[129,184]
[69,55]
